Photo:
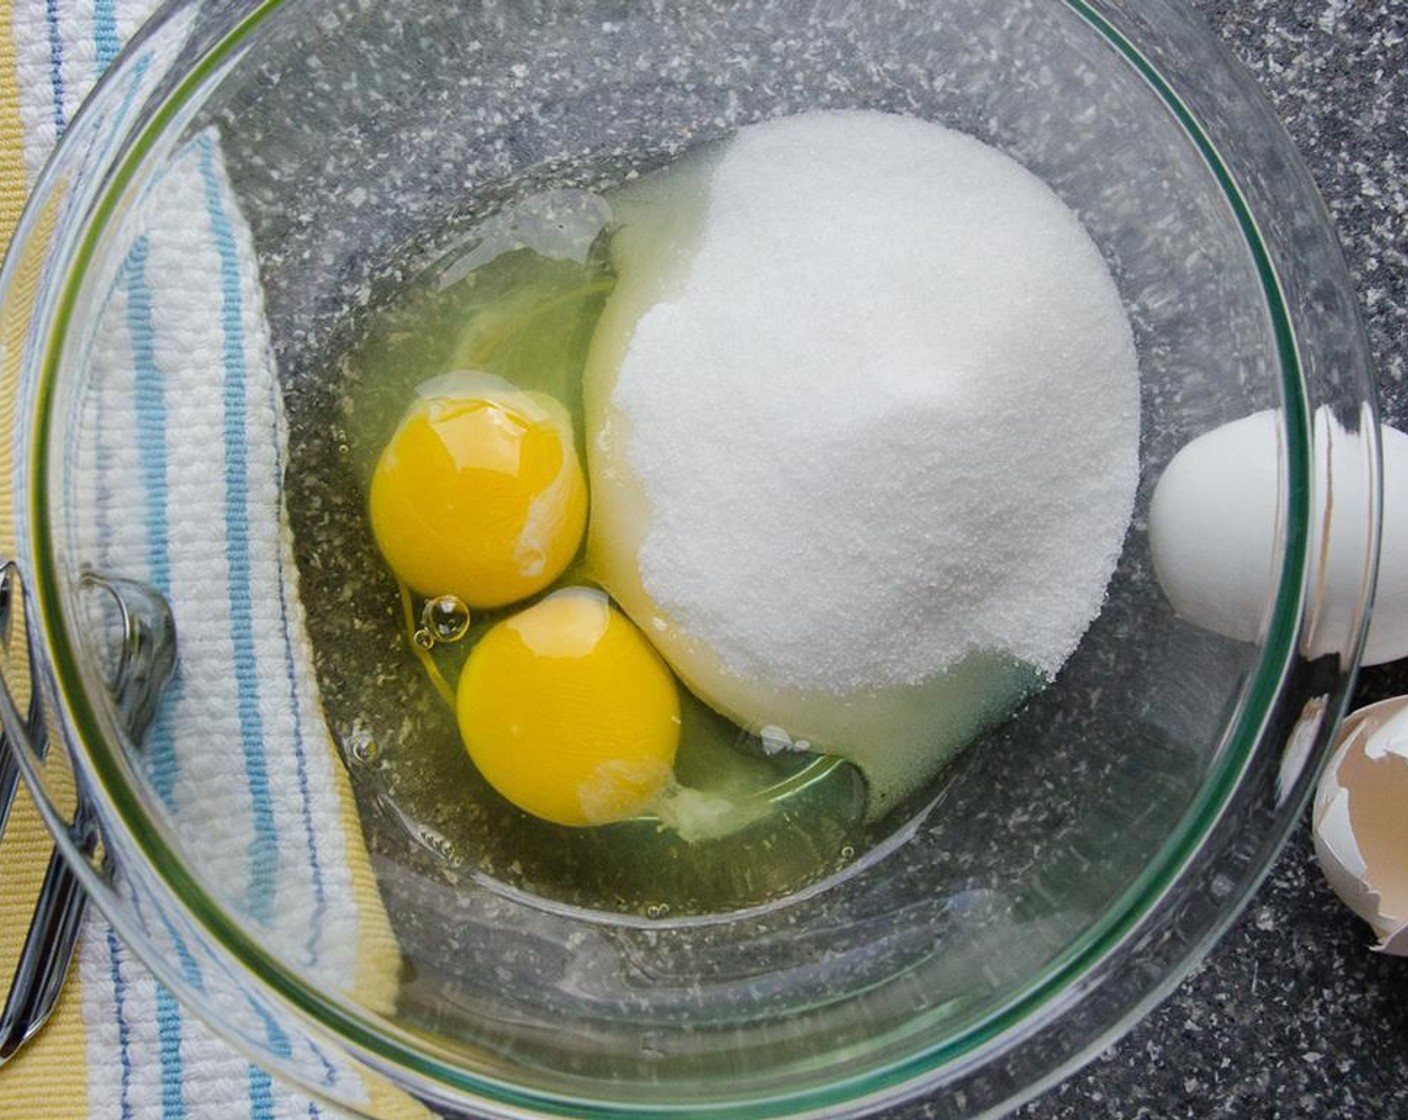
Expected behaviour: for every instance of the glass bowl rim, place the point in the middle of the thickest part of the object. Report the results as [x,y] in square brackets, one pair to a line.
[393,1048]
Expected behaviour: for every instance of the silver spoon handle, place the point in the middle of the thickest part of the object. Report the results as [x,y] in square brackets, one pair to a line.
[48,948]
[146,660]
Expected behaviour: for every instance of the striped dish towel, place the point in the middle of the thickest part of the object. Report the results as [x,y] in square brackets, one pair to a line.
[184,418]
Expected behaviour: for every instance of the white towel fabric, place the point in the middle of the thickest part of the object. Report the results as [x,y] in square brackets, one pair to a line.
[180,451]
[180,448]
[61,47]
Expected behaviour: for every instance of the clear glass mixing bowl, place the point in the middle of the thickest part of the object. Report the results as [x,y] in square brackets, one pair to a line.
[1079,859]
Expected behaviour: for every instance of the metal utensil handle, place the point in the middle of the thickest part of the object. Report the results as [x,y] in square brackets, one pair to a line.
[35,726]
[145,663]
[48,948]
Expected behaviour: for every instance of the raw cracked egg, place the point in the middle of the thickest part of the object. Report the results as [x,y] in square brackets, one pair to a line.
[569,712]
[479,493]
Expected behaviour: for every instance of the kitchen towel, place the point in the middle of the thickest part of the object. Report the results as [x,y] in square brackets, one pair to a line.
[184,417]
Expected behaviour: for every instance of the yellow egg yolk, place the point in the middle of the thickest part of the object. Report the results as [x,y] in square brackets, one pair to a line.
[479,493]
[569,712]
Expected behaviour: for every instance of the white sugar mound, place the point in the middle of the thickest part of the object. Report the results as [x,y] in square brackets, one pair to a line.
[863,426]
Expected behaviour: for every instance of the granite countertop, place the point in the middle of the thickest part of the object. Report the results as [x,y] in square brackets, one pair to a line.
[1291,1016]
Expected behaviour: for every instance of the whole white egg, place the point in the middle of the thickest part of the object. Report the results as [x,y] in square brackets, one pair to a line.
[1216,525]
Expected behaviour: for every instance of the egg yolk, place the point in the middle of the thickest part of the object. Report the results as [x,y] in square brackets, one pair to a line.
[479,493]
[569,712]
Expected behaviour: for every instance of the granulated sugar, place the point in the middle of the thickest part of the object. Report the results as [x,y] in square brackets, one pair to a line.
[870,412]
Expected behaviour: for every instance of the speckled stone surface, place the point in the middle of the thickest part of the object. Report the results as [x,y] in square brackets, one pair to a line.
[1291,1016]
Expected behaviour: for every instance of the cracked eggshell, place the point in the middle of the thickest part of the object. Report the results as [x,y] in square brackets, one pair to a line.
[1360,820]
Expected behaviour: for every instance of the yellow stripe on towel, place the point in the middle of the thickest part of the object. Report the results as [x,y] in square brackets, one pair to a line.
[49,1077]
[13,184]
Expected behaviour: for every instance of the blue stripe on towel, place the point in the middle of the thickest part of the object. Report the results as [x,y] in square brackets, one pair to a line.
[105,40]
[56,63]
[315,930]
[149,403]
[261,1095]
[149,406]
[124,1031]
[320,902]
[168,1026]
[149,399]
[103,501]
[329,1070]
[190,970]
[263,847]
